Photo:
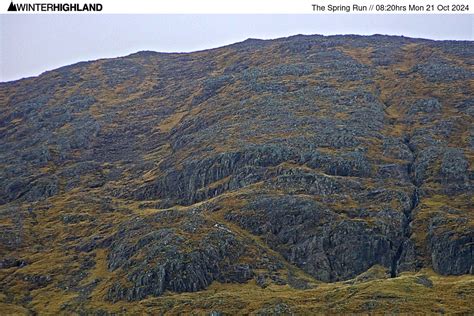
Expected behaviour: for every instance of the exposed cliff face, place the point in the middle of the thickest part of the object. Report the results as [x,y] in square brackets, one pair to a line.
[283,162]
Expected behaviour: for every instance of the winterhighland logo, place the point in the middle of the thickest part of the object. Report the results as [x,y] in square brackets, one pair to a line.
[55,7]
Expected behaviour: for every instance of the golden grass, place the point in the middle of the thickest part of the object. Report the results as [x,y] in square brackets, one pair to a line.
[399,295]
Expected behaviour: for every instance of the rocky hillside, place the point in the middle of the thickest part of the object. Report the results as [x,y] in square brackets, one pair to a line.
[302,174]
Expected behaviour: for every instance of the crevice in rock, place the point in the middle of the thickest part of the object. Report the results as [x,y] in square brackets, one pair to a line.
[395,260]
[408,216]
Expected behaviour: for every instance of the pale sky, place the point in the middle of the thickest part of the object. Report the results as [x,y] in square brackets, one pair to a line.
[32,44]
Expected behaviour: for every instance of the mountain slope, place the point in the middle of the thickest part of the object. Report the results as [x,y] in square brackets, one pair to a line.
[259,169]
